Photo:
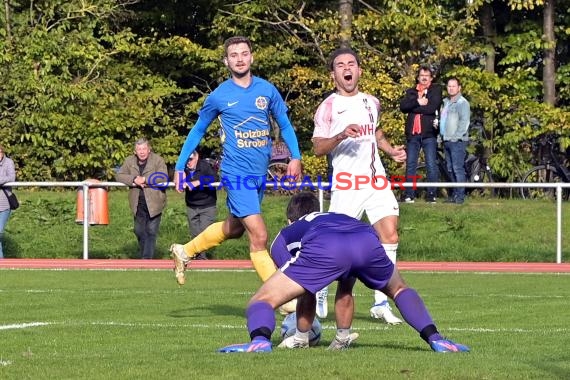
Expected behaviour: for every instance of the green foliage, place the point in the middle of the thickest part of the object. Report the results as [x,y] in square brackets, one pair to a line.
[83,80]
[76,99]
[315,167]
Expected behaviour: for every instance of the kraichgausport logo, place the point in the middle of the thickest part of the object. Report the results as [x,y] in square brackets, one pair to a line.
[342,181]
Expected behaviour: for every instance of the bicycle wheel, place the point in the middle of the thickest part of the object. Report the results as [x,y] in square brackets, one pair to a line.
[275,173]
[541,174]
[479,174]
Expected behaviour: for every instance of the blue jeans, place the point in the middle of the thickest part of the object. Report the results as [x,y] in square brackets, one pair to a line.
[146,229]
[4,215]
[429,146]
[455,153]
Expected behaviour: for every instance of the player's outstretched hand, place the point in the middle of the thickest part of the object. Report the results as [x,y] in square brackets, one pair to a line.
[294,168]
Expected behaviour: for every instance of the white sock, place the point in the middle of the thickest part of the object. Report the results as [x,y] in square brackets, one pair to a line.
[379,297]
[342,334]
[301,336]
[390,249]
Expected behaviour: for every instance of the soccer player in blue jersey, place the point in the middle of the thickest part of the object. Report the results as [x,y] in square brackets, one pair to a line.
[318,243]
[244,105]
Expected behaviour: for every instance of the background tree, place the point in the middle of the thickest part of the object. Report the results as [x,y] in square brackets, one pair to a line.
[84,78]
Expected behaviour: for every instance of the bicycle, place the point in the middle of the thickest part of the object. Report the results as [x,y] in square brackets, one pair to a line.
[477,170]
[277,169]
[552,168]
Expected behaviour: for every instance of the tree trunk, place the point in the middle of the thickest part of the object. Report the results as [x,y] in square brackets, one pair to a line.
[345,13]
[7,20]
[549,69]
[490,34]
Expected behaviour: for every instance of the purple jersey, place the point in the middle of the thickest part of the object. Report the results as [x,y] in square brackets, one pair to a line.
[320,248]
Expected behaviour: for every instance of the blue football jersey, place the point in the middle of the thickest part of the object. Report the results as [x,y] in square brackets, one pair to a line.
[244,115]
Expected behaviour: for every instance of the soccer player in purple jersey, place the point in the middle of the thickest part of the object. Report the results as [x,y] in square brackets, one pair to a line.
[314,251]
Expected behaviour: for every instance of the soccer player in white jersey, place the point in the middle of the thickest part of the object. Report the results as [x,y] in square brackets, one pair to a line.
[346,127]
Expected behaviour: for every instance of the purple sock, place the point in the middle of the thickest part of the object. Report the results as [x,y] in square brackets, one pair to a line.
[414,311]
[260,320]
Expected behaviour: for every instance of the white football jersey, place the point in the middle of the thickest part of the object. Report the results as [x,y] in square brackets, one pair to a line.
[353,156]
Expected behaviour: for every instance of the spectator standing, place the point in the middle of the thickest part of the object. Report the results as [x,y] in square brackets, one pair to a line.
[146,202]
[421,104]
[454,130]
[200,197]
[7,174]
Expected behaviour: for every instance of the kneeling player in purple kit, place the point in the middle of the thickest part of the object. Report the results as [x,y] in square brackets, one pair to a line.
[316,246]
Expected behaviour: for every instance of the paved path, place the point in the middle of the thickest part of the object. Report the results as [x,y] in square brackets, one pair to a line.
[246,264]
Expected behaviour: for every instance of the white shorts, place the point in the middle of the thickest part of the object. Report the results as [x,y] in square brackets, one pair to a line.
[378,204]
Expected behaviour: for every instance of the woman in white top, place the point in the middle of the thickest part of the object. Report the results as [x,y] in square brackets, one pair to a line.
[7,174]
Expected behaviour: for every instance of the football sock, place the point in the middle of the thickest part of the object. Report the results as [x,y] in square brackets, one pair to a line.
[342,334]
[263,264]
[391,250]
[212,236]
[379,297]
[413,309]
[302,336]
[430,333]
[260,320]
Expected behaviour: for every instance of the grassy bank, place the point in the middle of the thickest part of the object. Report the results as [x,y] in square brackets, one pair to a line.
[480,230]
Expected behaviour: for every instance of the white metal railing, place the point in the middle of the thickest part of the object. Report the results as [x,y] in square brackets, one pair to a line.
[85,185]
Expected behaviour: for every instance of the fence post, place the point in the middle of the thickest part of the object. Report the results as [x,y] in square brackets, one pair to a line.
[86,214]
[559,224]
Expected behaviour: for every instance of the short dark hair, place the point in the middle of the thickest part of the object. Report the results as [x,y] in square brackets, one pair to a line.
[426,67]
[234,41]
[455,79]
[341,51]
[302,204]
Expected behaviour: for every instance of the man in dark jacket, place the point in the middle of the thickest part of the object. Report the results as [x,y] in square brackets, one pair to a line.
[421,103]
[200,197]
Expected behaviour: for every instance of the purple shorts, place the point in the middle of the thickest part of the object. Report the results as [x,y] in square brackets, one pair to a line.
[327,257]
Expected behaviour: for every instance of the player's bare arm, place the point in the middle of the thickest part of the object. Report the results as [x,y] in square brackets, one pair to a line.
[398,152]
[324,145]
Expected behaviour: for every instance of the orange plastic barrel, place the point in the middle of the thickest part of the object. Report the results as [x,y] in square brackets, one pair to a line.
[98,205]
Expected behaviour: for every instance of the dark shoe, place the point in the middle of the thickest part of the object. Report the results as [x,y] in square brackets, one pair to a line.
[407,200]
[431,200]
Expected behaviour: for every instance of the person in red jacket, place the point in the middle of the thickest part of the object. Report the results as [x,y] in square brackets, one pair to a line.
[421,103]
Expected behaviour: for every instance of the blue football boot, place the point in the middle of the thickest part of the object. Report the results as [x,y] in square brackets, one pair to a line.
[445,345]
[256,345]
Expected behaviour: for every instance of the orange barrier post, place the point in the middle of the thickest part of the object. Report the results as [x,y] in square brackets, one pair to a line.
[98,205]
